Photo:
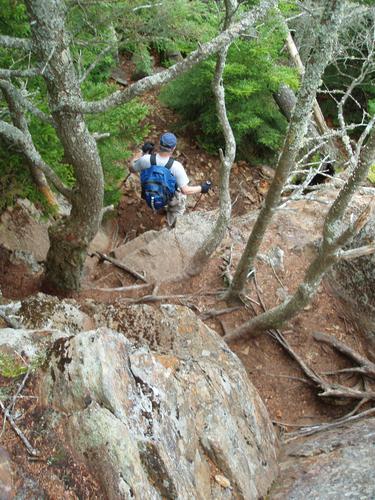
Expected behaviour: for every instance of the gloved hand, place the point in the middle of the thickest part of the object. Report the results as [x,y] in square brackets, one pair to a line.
[206,186]
[148,148]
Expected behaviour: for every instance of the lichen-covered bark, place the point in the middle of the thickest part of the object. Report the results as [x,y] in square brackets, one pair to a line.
[326,36]
[71,236]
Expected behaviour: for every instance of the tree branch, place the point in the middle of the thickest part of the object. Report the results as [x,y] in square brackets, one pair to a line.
[320,57]
[15,137]
[11,42]
[25,103]
[367,367]
[21,73]
[357,252]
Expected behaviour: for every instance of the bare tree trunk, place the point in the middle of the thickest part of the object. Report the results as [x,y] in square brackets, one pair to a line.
[333,240]
[326,36]
[71,236]
[294,54]
[217,234]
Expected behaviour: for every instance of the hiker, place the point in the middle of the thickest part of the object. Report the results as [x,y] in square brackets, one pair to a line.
[176,184]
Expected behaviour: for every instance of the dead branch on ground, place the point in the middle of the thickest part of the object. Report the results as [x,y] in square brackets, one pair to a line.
[366,367]
[8,416]
[102,256]
[313,429]
[327,389]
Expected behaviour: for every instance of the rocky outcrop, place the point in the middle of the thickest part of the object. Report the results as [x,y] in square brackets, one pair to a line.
[354,281]
[159,407]
[336,464]
[163,255]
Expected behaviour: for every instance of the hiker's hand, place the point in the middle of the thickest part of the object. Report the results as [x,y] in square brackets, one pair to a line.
[148,148]
[206,186]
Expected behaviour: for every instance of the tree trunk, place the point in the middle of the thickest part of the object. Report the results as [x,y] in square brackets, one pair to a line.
[217,234]
[326,36]
[71,236]
[286,99]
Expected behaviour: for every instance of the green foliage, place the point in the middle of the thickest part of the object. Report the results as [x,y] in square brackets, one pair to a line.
[124,125]
[253,73]
[11,367]
[371,174]
[142,61]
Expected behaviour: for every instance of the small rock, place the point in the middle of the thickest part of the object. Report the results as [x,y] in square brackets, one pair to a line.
[267,171]
[222,480]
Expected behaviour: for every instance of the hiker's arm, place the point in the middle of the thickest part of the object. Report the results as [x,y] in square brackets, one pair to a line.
[136,165]
[190,189]
[203,188]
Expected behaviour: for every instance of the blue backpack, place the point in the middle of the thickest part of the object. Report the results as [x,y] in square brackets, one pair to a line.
[158,184]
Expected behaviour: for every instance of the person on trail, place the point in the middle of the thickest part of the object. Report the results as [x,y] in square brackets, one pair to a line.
[145,159]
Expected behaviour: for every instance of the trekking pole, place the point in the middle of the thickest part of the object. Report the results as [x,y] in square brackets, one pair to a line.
[197,203]
[199,199]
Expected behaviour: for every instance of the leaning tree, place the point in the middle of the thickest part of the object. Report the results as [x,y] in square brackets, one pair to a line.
[49,46]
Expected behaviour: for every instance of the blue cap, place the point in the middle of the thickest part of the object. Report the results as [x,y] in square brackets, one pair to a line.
[168,140]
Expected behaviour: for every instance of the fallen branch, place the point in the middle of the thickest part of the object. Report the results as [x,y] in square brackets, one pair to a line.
[120,265]
[121,288]
[10,407]
[313,429]
[159,298]
[7,416]
[327,389]
[357,252]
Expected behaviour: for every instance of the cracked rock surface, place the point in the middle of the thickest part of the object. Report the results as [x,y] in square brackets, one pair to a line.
[158,407]
[330,465]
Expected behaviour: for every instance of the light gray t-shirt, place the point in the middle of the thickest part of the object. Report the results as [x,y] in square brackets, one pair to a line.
[177,169]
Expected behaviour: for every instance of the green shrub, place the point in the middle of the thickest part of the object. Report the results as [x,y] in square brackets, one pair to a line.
[142,62]
[11,367]
[253,73]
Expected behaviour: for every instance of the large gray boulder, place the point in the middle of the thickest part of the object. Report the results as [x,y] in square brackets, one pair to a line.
[161,408]
[330,465]
[163,255]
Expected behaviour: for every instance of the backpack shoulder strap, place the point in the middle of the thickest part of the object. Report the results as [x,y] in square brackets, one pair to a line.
[153,159]
[169,163]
